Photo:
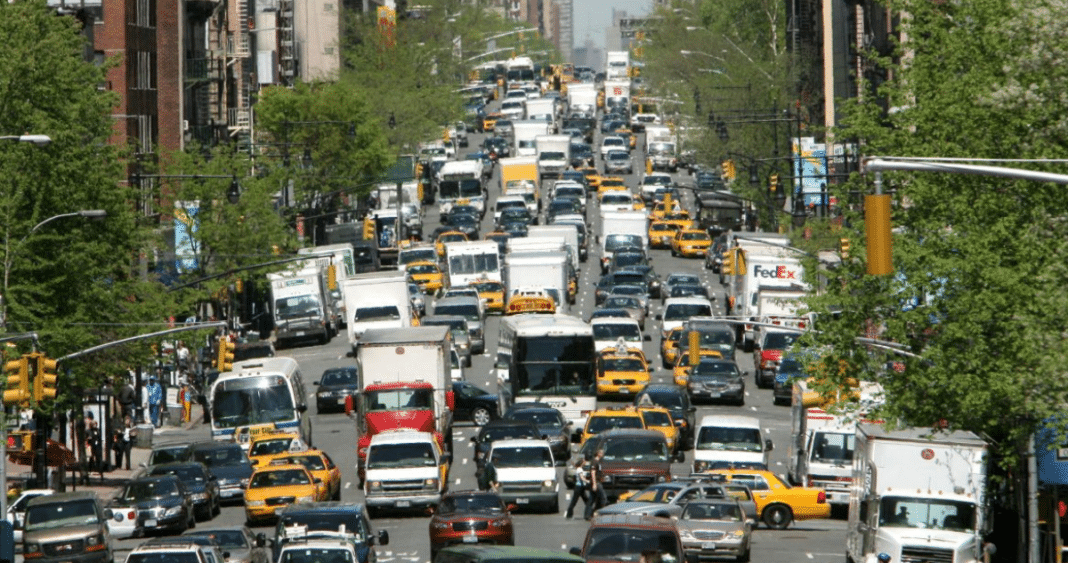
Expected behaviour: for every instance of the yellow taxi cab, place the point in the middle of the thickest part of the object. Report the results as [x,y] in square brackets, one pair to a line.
[681,371]
[659,418]
[661,209]
[611,183]
[691,243]
[679,217]
[593,177]
[491,292]
[273,487]
[621,373]
[669,347]
[661,233]
[610,418]
[321,467]
[777,503]
[628,136]
[489,122]
[448,236]
[427,275]
[268,446]
[519,304]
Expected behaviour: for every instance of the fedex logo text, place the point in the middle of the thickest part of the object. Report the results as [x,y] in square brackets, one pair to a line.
[777,272]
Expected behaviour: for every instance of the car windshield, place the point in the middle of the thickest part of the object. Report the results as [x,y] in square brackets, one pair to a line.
[389,456]
[398,399]
[656,418]
[720,511]
[666,400]
[506,432]
[423,269]
[148,490]
[468,311]
[936,514]
[470,503]
[325,521]
[635,450]
[311,462]
[628,544]
[58,515]
[598,424]
[271,446]
[779,340]
[222,456]
[521,457]
[377,313]
[614,331]
[315,555]
[689,291]
[488,287]
[682,311]
[715,367]
[186,473]
[539,418]
[279,477]
[727,438]
[340,377]
[226,539]
[628,289]
[695,235]
[623,364]
[297,306]
[622,303]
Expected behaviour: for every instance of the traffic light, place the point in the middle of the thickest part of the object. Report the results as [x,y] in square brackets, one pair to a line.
[20,441]
[773,183]
[225,359]
[729,171]
[17,389]
[843,248]
[45,378]
[368,228]
[727,268]
[331,277]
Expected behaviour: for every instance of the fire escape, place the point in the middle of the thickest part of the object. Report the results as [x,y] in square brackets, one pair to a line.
[287,43]
[238,64]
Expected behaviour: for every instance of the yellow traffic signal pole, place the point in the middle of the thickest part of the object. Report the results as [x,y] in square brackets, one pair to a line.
[3,424]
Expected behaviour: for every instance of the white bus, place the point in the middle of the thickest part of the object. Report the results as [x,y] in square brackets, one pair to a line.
[259,395]
[548,359]
[461,180]
[466,262]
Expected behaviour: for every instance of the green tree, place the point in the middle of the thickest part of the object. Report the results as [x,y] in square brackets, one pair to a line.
[978,292]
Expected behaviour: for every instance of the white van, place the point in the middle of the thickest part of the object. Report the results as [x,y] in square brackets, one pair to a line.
[729,439]
[608,331]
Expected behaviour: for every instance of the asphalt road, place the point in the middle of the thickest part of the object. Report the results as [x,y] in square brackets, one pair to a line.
[815,541]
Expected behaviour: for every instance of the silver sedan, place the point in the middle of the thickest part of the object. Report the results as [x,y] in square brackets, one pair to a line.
[715,528]
[631,304]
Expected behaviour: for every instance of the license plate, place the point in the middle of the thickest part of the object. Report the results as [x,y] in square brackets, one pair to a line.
[713,395]
[624,390]
[522,501]
[279,509]
[708,545]
[151,523]
[404,503]
[470,539]
[341,401]
[300,333]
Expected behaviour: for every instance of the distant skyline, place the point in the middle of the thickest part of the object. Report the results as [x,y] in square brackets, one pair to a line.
[592,18]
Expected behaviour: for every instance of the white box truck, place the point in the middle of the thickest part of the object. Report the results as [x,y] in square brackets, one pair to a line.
[545,270]
[761,267]
[300,306]
[582,99]
[823,438]
[542,109]
[376,300]
[336,258]
[524,135]
[919,495]
[554,155]
[617,65]
[568,232]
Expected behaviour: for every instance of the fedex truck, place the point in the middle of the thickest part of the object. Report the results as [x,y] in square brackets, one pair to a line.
[756,268]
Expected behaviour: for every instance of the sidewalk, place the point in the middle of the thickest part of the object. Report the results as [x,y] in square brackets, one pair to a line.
[107,485]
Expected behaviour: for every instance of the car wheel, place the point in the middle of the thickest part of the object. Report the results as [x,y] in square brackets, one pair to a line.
[554,506]
[777,517]
[481,416]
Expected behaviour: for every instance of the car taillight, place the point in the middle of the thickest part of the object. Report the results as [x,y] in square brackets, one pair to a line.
[821,498]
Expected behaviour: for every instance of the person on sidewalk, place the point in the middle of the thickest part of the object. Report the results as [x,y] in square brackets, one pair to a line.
[185,398]
[582,486]
[126,396]
[92,440]
[124,438]
[598,498]
[155,400]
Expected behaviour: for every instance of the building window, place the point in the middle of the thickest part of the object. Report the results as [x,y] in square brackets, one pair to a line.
[328,50]
[144,13]
[328,7]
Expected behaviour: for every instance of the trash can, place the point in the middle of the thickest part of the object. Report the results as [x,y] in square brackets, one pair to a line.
[144,436]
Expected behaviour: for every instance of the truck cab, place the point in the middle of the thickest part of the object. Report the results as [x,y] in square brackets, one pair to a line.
[405,469]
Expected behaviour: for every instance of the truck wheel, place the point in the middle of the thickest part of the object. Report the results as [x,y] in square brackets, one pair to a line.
[481,416]
[777,517]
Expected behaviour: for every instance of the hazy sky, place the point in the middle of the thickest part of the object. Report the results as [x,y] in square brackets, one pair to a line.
[593,17]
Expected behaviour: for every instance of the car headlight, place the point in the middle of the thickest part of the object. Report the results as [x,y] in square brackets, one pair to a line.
[441,525]
[699,466]
[739,533]
[199,496]
[548,484]
[173,511]
[431,484]
[97,539]
[31,548]
[661,478]
[499,522]
[375,485]
[252,503]
[308,498]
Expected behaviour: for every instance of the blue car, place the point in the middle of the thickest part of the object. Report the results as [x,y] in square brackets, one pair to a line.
[791,367]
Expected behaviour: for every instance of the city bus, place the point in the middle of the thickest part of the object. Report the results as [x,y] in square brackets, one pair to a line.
[258,396]
[547,359]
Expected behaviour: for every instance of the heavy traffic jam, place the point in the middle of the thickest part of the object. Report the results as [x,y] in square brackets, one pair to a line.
[561,339]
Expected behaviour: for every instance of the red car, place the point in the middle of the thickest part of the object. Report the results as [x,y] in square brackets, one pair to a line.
[470,517]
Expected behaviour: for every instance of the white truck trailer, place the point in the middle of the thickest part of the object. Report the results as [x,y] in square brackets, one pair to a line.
[621,229]
[524,134]
[554,155]
[300,305]
[546,270]
[919,495]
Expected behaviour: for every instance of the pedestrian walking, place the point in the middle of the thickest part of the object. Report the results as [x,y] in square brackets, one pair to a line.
[123,443]
[182,354]
[598,498]
[582,487]
[185,398]
[126,395]
[155,400]
[92,440]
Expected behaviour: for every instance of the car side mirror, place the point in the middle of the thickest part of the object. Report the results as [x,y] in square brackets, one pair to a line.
[383,537]
[577,551]
[745,374]
[474,439]
[768,445]
[317,383]
[318,481]
[647,338]
[511,507]
[108,514]
[226,555]
[302,408]
[576,436]
[659,317]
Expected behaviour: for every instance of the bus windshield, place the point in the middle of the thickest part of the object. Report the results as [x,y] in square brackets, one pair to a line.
[252,400]
[473,263]
[454,189]
[553,365]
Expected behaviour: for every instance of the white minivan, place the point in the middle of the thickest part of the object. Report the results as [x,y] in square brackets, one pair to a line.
[723,440]
[608,331]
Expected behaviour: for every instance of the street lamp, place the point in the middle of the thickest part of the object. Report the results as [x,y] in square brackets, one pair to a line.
[39,140]
[687,53]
